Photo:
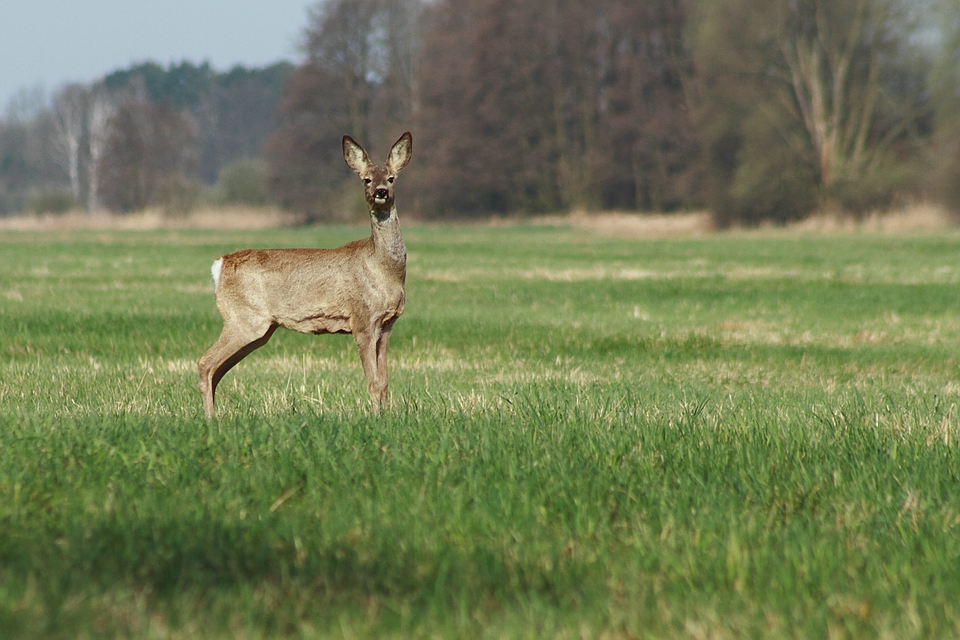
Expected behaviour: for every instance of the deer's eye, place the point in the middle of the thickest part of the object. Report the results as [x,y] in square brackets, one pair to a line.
[367,181]
[390,179]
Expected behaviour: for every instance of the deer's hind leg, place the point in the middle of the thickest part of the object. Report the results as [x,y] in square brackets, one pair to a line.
[234,344]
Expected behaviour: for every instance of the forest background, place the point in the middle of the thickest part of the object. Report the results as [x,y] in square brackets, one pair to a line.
[754,111]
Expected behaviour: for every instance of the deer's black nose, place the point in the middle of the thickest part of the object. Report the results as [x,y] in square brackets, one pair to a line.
[381,194]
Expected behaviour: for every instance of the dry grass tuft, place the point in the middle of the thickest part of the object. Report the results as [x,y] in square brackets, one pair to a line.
[228,218]
[917,218]
[634,225]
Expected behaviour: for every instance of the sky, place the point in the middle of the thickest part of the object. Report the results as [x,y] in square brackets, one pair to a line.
[48,43]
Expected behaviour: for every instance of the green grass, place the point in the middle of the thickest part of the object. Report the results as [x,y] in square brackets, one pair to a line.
[735,436]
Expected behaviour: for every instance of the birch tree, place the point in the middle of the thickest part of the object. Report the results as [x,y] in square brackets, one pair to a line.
[70,106]
[99,114]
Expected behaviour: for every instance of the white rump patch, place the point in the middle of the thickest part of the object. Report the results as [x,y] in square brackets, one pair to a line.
[215,272]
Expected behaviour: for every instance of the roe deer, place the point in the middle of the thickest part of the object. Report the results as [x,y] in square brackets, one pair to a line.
[357,288]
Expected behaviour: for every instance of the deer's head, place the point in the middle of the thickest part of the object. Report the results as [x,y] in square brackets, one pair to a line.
[378,179]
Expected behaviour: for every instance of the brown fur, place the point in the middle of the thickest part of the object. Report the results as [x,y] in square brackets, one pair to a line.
[357,288]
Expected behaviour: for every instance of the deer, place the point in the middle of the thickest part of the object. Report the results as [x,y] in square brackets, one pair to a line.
[358,288]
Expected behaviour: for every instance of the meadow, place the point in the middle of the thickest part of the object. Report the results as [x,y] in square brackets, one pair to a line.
[736,435]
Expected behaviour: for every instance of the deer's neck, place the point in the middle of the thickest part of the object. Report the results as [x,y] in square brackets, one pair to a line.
[387,239]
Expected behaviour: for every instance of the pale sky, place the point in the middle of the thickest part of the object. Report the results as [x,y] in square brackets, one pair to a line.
[47,43]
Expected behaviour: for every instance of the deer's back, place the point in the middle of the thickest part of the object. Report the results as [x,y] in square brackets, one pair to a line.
[312,290]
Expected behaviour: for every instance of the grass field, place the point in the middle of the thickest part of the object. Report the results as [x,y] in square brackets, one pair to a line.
[724,437]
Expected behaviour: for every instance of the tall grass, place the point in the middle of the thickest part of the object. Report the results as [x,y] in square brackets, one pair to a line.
[590,437]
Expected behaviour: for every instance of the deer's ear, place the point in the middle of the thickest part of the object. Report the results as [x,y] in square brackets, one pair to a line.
[354,155]
[401,152]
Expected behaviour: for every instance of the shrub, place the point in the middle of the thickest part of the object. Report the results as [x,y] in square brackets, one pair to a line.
[242,182]
[177,195]
[52,200]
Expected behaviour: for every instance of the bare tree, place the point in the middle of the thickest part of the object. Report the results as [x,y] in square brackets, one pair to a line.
[944,22]
[556,104]
[832,53]
[807,104]
[399,23]
[371,47]
[341,41]
[655,159]
[27,151]
[150,155]
[360,77]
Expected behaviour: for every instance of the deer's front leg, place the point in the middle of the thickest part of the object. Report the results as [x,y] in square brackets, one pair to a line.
[382,366]
[367,343]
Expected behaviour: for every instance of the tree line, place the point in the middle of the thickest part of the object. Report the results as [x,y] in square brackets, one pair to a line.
[755,110]
[143,136]
[520,106]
